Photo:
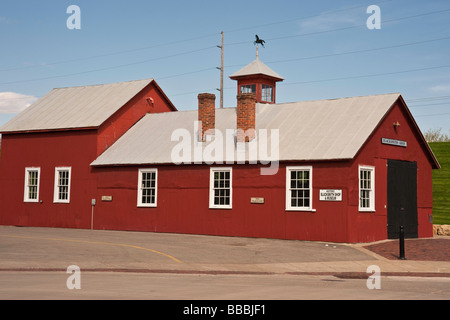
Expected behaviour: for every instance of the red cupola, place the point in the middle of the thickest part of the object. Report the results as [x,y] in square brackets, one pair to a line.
[259,79]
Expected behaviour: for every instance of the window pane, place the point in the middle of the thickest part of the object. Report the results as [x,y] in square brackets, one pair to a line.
[222,188]
[63,185]
[248,88]
[267,93]
[148,187]
[300,188]
[293,202]
[32,184]
[32,193]
[306,184]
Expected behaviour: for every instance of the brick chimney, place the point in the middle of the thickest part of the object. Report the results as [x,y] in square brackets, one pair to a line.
[245,113]
[206,113]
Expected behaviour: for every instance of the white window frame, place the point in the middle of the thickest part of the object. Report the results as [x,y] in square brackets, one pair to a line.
[56,198]
[266,92]
[26,194]
[289,206]
[248,88]
[212,189]
[371,207]
[141,189]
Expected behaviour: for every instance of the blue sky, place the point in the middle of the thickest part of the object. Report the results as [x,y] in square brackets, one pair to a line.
[323,49]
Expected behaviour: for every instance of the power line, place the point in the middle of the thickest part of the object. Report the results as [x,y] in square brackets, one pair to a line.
[108,68]
[202,37]
[197,71]
[430,104]
[351,52]
[299,19]
[343,28]
[429,99]
[367,75]
[191,39]
[177,41]
[185,73]
[432,115]
[108,54]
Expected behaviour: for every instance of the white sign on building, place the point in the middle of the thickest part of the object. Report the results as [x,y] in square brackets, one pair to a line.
[330,195]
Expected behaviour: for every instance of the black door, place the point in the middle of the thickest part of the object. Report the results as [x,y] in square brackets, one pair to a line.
[402,198]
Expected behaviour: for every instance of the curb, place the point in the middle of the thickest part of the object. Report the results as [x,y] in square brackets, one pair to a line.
[340,275]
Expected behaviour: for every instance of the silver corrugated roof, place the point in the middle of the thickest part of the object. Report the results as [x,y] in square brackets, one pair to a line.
[75,107]
[311,130]
[254,68]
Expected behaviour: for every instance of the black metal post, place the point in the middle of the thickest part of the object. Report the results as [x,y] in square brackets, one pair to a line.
[402,243]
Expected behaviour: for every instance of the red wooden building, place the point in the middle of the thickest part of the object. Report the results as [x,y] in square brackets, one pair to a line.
[45,174]
[343,170]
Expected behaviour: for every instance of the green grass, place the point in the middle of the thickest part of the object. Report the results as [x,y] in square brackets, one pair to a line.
[441,183]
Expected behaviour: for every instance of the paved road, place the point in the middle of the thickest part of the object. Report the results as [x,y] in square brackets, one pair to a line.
[134,265]
[136,286]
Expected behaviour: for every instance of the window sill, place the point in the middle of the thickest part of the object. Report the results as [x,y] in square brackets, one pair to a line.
[301,210]
[224,208]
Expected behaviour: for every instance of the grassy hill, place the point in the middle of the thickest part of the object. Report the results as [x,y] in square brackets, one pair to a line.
[441,183]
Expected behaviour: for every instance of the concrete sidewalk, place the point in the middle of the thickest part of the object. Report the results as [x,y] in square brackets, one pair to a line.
[47,249]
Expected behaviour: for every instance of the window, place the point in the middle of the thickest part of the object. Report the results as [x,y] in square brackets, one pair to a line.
[299,189]
[366,188]
[249,88]
[62,185]
[267,93]
[220,188]
[147,187]
[32,176]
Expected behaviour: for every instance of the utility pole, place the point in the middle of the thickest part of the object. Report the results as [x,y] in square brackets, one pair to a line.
[221,73]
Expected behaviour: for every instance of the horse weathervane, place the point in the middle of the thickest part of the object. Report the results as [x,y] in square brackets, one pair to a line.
[259,41]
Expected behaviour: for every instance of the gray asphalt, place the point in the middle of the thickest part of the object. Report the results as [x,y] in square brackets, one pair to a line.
[138,265]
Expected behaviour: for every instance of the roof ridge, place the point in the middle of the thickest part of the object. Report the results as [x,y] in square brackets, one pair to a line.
[342,98]
[104,84]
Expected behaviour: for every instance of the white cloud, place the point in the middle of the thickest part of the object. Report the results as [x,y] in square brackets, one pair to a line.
[11,102]
[443,88]
[4,20]
[330,21]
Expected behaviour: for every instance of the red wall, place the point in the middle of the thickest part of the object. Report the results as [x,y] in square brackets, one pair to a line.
[258,80]
[183,196]
[183,204]
[183,191]
[74,148]
[130,113]
[47,150]
[372,226]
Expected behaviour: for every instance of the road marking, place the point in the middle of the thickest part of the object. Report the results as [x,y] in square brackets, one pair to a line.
[97,242]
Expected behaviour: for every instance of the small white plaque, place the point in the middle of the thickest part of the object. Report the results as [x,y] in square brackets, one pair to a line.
[257,200]
[330,195]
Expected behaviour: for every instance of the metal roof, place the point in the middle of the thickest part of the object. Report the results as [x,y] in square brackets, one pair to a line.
[254,68]
[75,107]
[310,130]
